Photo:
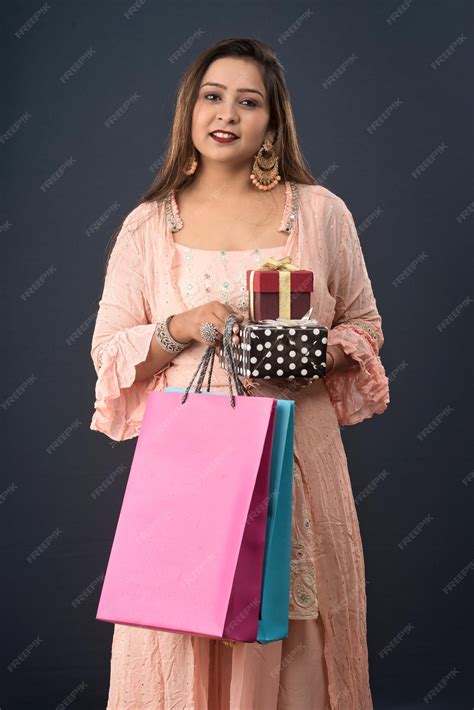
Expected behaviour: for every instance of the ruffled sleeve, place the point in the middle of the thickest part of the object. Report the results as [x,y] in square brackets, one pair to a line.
[121,339]
[360,391]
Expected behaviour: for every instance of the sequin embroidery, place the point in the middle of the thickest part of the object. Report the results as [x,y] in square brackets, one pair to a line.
[303,592]
[363,326]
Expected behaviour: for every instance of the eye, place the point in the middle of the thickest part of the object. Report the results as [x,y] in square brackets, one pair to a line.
[252,102]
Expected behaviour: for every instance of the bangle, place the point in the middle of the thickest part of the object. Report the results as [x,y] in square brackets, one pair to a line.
[333,361]
[165,338]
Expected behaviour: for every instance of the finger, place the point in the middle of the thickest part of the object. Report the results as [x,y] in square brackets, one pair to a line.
[218,319]
[218,325]
[229,310]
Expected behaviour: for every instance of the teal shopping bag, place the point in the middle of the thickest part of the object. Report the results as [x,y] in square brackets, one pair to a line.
[273,619]
[275,595]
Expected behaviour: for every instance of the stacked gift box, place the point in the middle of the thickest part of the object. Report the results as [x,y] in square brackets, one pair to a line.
[279,339]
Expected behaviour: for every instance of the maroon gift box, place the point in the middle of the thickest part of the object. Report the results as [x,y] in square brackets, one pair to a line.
[266,294]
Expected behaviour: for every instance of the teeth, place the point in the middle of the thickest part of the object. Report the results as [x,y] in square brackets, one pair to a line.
[219,134]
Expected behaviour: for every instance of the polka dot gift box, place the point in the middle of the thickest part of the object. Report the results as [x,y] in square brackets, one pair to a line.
[281,349]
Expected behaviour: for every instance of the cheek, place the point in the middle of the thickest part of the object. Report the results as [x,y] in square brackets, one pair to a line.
[254,129]
[255,121]
[202,116]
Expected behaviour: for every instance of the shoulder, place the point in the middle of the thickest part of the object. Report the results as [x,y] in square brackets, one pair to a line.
[322,202]
[140,216]
[138,225]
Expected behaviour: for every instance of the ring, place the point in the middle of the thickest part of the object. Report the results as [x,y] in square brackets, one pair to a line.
[208,332]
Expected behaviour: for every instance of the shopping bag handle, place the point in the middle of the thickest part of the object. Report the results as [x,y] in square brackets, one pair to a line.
[207,360]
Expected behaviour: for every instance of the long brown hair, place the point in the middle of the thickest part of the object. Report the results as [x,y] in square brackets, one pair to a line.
[180,149]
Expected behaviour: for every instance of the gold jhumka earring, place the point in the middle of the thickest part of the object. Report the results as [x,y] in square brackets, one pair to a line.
[265,168]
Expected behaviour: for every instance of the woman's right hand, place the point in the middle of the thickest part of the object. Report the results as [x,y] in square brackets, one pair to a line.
[185,326]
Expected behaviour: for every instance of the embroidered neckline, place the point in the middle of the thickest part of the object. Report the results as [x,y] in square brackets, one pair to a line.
[290,209]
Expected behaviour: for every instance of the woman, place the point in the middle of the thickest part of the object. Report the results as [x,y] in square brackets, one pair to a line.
[179,261]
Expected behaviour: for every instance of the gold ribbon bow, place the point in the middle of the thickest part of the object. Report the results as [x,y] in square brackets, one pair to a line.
[284,266]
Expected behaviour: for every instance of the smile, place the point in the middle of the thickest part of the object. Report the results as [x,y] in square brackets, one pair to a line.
[223,137]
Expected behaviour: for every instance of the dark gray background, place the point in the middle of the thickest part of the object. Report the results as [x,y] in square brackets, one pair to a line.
[419,221]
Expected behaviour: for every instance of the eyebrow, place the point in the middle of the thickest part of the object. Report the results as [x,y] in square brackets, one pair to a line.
[222,86]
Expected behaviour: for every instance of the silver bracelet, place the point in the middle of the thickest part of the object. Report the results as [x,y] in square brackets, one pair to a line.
[165,338]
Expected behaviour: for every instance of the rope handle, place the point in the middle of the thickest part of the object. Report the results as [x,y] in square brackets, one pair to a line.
[207,361]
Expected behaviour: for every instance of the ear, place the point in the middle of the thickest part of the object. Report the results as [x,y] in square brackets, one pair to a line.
[270,137]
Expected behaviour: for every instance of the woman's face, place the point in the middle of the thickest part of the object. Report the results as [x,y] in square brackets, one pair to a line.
[223,105]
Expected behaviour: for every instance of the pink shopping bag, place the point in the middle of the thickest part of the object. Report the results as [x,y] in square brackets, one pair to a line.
[187,557]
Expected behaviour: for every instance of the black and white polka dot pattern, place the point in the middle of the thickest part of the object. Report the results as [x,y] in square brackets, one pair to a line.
[274,351]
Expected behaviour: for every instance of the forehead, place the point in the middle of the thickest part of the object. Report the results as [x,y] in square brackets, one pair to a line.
[235,73]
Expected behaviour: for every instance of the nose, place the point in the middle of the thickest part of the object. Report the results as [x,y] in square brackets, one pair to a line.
[227,112]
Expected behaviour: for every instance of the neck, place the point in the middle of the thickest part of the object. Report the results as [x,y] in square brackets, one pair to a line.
[219,179]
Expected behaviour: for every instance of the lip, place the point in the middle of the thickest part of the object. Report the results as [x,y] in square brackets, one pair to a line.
[231,137]
[222,130]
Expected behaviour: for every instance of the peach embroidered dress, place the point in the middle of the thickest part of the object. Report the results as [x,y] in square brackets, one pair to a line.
[151,276]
